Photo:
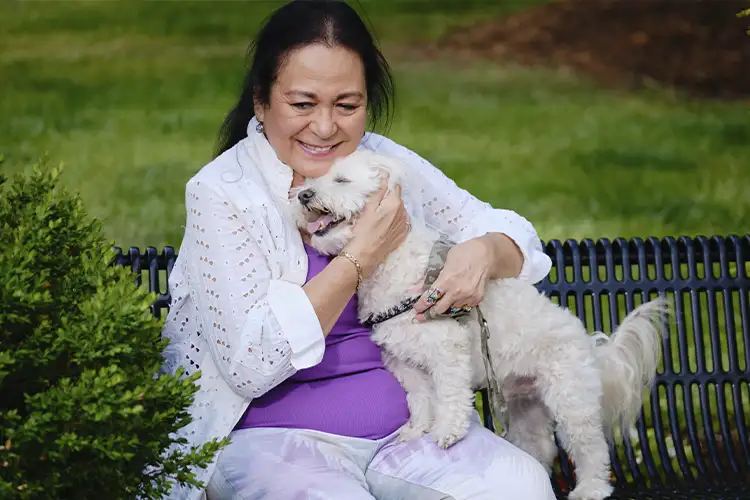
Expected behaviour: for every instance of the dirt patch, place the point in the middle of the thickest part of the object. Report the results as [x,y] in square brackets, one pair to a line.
[697,46]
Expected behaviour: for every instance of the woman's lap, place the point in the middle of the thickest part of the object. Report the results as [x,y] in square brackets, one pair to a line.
[290,464]
[481,466]
[285,464]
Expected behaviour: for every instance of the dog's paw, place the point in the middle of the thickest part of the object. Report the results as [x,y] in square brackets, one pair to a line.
[409,432]
[591,490]
[448,441]
[447,438]
[448,431]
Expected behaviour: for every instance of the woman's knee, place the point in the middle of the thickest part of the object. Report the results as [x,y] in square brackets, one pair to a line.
[510,469]
[522,476]
[293,485]
[268,473]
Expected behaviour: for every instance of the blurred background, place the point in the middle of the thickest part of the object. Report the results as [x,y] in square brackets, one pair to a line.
[592,118]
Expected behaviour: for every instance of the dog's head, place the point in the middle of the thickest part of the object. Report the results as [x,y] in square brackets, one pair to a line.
[327,206]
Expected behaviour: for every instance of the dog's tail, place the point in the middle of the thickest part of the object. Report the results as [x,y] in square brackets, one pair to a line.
[628,361]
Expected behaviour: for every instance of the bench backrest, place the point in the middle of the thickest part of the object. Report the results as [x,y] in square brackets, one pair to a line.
[694,425]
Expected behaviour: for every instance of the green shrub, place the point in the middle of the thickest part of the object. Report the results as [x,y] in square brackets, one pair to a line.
[83,414]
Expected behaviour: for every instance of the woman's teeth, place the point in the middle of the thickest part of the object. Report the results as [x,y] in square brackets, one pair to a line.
[316,150]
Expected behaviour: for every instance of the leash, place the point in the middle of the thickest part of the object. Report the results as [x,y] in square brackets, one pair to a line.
[498,405]
[374,319]
[435,262]
[438,253]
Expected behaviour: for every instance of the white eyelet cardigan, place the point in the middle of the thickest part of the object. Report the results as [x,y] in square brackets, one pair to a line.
[238,312]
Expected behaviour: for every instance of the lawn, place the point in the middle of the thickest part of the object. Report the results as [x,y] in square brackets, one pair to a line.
[129,96]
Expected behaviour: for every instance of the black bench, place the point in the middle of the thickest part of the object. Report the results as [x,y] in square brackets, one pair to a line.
[691,441]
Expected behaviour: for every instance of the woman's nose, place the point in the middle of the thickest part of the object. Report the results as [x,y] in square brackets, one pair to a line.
[323,125]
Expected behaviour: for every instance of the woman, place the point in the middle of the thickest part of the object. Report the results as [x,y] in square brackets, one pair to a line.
[288,373]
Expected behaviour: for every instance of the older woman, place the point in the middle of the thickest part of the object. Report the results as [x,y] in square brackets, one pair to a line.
[288,372]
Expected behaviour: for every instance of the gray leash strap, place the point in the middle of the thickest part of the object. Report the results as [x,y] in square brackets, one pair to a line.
[498,406]
[436,261]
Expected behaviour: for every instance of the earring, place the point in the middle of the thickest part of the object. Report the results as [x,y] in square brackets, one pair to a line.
[259,127]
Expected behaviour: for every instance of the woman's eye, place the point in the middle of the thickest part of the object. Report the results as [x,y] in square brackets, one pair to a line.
[348,107]
[341,180]
[302,105]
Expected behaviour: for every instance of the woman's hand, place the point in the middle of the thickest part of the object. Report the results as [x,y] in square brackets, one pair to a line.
[468,266]
[462,281]
[381,228]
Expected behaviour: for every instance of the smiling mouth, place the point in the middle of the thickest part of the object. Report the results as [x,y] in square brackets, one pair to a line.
[323,222]
[317,150]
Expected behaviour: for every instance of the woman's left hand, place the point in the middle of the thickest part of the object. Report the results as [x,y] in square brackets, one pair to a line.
[462,281]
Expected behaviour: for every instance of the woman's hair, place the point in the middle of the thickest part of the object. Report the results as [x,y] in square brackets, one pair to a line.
[295,25]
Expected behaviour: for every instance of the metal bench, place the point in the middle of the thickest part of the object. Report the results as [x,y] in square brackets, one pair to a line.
[691,441]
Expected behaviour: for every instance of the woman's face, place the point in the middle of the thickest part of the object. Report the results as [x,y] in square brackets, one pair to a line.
[317,110]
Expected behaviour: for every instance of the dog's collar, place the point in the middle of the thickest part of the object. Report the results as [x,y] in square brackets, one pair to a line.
[402,307]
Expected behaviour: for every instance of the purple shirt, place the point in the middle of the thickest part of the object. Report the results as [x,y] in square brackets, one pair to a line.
[349,393]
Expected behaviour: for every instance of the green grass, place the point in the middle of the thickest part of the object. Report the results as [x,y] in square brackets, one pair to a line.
[130,95]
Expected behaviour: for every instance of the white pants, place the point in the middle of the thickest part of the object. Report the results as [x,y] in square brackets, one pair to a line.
[294,464]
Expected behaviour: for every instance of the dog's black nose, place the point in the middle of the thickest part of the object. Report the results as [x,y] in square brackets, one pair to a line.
[306,196]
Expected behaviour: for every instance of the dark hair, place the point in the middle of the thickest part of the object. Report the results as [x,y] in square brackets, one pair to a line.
[298,24]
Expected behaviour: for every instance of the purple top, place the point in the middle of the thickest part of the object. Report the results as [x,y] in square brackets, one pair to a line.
[349,393]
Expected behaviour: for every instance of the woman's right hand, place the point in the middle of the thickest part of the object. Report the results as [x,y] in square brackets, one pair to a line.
[381,228]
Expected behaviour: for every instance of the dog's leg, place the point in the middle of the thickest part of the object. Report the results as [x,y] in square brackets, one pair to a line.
[419,393]
[531,425]
[574,400]
[454,398]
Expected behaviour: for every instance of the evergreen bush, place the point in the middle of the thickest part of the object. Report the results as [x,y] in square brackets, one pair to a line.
[84,413]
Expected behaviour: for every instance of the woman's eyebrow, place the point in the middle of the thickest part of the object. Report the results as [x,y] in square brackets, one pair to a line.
[302,93]
[311,95]
[353,93]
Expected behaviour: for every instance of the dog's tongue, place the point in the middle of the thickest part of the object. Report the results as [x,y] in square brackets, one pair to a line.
[319,223]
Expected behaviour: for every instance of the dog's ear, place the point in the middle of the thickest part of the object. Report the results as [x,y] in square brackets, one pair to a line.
[394,167]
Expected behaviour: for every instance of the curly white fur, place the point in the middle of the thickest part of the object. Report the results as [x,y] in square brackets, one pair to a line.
[552,373]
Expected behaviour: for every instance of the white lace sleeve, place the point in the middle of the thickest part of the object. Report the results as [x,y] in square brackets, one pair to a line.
[461,216]
[259,330]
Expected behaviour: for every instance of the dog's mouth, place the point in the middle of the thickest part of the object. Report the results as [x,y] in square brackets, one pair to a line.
[321,221]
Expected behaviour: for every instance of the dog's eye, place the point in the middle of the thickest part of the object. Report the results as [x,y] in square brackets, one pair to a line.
[341,180]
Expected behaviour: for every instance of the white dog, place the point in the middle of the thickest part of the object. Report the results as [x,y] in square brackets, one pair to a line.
[548,368]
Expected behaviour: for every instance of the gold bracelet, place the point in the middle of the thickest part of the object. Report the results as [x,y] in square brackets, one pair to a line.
[356,263]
